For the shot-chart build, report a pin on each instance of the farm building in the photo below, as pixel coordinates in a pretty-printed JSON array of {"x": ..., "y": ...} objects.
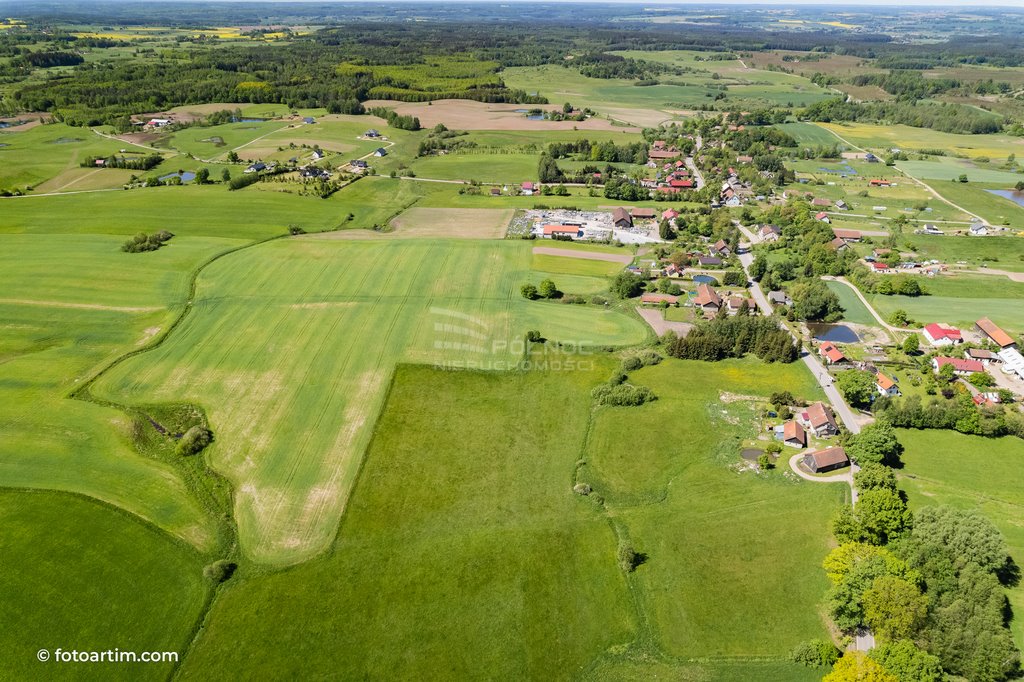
[
  {"x": 938, "y": 334},
  {"x": 994, "y": 333},
  {"x": 828, "y": 459},
  {"x": 1013, "y": 361},
  {"x": 831, "y": 353},
  {"x": 879, "y": 183},
  {"x": 847, "y": 235},
  {"x": 380, "y": 151},
  {"x": 570, "y": 231},
  {"x": 642, "y": 213},
  {"x": 821, "y": 202},
  {"x": 621, "y": 218},
  {"x": 818, "y": 418},
  {"x": 886, "y": 386},
  {"x": 983, "y": 356},
  {"x": 792, "y": 433},
  {"x": 961, "y": 366}
]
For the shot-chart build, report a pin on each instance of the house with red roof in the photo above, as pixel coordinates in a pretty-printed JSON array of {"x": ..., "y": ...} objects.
[
  {"x": 961, "y": 366},
  {"x": 938, "y": 334},
  {"x": 822, "y": 217},
  {"x": 831, "y": 354},
  {"x": 994, "y": 333},
  {"x": 819, "y": 420},
  {"x": 828, "y": 459},
  {"x": 792, "y": 433}
]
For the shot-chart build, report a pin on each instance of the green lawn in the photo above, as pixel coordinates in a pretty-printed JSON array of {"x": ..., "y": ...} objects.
[
  {"x": 214, "y": 142},
  {"x": 1002, "y": 253},
  {"x": 83, "y": 576},
  {"x": 962, "y": 299},
  {"x": 493, "y": 168},
  {"x": 945, "y": 467},
  {"x": 291, "y": 347},
  {"x": 946, "y": 168}
]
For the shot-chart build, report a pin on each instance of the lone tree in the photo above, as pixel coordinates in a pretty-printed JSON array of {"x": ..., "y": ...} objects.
[
  {"x": 548, "y": 289},
  {"x": 911, "y": 345},
  {"x": 529, "y": 292}
]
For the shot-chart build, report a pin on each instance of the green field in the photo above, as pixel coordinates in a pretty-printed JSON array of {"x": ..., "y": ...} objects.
[
  {"x": 214, "y": 142},
  {"x": 853, "y": 309},
  {"x": 962, "y": 299},
  {"x": 95, "y": 579},
  {"x": 293, "y": 448},
  {"x": 973, "y": 197},
  {"x": 945, "y": 467},
  {"x": 30, "y": 157},
  {"x": 1001, "y": 253},
  {"x": 574, "y": 266},
  {"x": 879, "y": 137},
  {"x": 492, "y": 168},
  {"x": 951, "y": 169},
  {"x": 492, "y": 567}
]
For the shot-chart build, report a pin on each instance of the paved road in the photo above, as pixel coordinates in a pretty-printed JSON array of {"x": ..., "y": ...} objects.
[{"x": 846, "y": 414}]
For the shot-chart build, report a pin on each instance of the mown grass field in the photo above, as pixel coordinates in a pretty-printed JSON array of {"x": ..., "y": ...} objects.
[
  {"x": 493, "y": 168},
  {"x": 1001, "y": 253},
  {"x": 962, "y": 299},
  {"x": 214, "y": 142},
  {"x": 291, "y": 347},
  {"x": 944, "y": 168},
  {"x": 722, "y": 545},
  {"x": 492, "y": 566},
  {"x": 973, "y": 197},
  {"x": 94, "y": 579},
  {"x": 945, "y": 467}
]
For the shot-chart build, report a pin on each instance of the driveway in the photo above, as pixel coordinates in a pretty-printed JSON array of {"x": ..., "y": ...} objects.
[{"x": 845, "y": 477}]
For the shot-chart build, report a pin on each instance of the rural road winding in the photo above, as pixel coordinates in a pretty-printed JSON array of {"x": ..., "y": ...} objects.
[
  {"x": 817, "y": 369},
  {"x": 874, "y": 313}
]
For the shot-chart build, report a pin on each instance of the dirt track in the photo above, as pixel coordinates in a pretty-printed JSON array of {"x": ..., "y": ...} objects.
[{"x": 585, "y": 255}]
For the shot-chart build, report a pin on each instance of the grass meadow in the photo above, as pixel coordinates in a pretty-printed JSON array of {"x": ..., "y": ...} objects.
[
  {"x": 945, "y": 467},
  {"x": 464, "y": 522},
  {"x": 337, "y": 315},
  {"x": 94, "y": 579},
  {"x": 564, "y": 265},
  {"x": 723, "y": 545},
  {"x": 883, "y": 137},
  {"x": 853, "y": 309}
]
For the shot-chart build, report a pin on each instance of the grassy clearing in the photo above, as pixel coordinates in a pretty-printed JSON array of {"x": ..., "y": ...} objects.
[
  {"x": 722, "y": 545},
  {"x": 293, "y": 398},
  {"x": 961, "y": 299},
  {"x": 1003, "y": 253},
  {"x": 491, "y": 168},
  {"x": 214, "y": 142},
  {"x": 518, "y": 571},
  {"x": 945, "y": 467},
  {"x": 490, "y": 565},
  {"x": 87, "y": 559},
  {"x": 973, "y": 197},
  {"x": 951, "y": 169}
]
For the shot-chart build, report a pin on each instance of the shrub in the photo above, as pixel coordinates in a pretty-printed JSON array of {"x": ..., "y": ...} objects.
[
  {"x": 764, "y": 462},
  {"x": 629, "y": 558},
  {"x": 533, "y": 336},
  {"x": 219, "y": 570},
  {"x": 622, "y": 395},
  {"x": 529, "y": 292},
  {"x": 773, "y": 448},
  {"x": 194, "y": 440},
  {"x": 816, "y": 652}
]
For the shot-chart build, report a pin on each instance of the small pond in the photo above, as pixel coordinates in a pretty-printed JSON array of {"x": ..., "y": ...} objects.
[
  {"x": 751, "y": 454},
  {"x": 836, "y": 333},
  {"x": 704, "y": 279},
  {"x": 1013, "y": 195},
  {"x": 186, "y": 176},
  {"x": 11, "y": 124}
]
